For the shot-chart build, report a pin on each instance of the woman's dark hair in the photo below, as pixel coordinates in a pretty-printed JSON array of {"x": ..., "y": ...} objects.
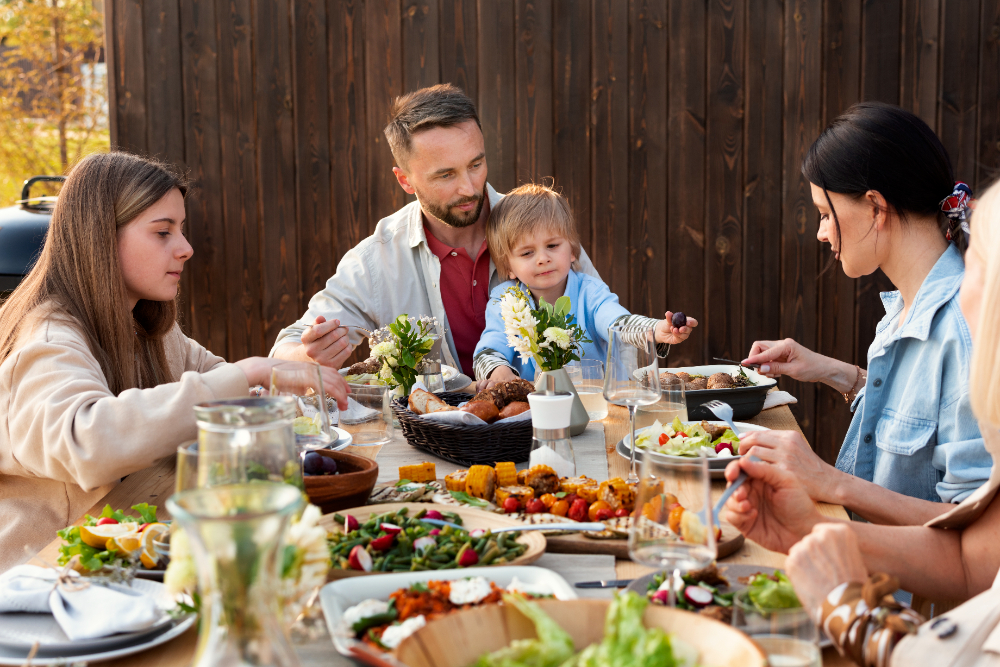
[{"x": 876, "y": 146}]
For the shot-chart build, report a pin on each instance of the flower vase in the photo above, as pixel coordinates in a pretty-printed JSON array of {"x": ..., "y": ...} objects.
[
  {"x": 578, "y": 418},
  {"x": 235, "y": 532}
]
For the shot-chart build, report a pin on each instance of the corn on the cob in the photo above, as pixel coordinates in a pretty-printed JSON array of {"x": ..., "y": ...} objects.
[
  {"x": 617, "y": 493},
  {"x": 522, "y": 475},
  {"x": 456, "y": 480},
  {"x": 506, "y": 473},
  {"x": 522, "y": 493},
  {"x": 543, "y": 479},
  {"x": 421, "y": 472},
  {"x": 481, "y": 482},
  {"x": 588, "y": 491},
  {"x": 571, "y": 484}
]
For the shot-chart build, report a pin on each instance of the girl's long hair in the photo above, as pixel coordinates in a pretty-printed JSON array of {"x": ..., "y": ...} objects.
[
  {"x": 78, "y": 275},
  {"x": 984, "y": 380}
]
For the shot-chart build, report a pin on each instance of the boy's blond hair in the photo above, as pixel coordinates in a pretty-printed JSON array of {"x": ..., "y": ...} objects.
[
  {"x": 984, "y": 380},
  {"x": 520, "y": 213}
]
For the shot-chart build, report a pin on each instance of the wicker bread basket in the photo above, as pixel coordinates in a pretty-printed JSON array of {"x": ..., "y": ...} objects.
[{"x": 465, "y": 445}]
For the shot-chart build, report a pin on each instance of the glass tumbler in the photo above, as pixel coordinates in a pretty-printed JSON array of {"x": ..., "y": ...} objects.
[
  {"x": 368, "y": 417},
  {"x": 789, "y": 637},
  {"x": 587, "y": 376}
]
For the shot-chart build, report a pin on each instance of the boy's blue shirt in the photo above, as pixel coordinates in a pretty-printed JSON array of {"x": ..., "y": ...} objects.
[{"x": 594, "y": 306}]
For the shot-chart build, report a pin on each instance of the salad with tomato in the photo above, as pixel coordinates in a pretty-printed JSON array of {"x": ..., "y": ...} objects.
[{"x": 689, "y": 439}]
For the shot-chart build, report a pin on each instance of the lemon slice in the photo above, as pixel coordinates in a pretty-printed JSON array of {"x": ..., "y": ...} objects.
[
  {"x": 98, "y": 536},
  {"x": 127, "y": 543},
  {"x": 149, "y": 557}
]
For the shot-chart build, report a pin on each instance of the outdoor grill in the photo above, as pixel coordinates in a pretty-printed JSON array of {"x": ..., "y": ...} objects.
[{"x": 22, "y": 233}]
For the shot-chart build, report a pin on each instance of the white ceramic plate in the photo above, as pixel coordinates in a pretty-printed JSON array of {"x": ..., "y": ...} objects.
[
  {"x": 343, "y": 438},
  {"x": 716, "y": 466},
  {"x": 338, "y": 596},
  {"x": 177, "y": 628},
  {"x": 448, "y": 372}
]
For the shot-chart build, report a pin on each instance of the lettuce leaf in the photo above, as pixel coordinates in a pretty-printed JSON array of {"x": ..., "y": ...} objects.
[
  {"x": 776, "y": 592},
  {"x": 552, "y": 648},
  {"x": 627, "y": 642},
  {"x": 146, "y": 512}
]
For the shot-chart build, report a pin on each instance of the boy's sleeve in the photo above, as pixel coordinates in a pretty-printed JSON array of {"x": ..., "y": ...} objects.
[
  {"x": 492, "y": 349},
  {"x": 608, "y": 313}
]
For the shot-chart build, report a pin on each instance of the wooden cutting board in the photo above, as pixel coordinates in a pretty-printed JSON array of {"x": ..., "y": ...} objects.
[{"x": 731, "y": 541}]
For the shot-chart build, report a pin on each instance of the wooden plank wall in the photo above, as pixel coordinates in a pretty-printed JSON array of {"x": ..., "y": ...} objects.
[{"x": 675, "y": 127}]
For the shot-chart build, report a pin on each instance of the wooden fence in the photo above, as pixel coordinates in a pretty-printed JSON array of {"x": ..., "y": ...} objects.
[{"x": 675, "y": 127}]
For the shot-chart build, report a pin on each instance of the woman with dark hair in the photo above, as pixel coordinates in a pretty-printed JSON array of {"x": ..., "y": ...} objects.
[
  {"x": 96, "y": 379},
  {"x": 883, "y": 183}
]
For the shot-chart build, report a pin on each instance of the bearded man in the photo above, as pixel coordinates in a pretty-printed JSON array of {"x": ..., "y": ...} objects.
[{"x": 427, "y": 258}]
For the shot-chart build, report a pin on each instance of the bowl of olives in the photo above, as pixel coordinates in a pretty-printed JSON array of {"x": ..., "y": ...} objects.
[{"x": 338, "y": 480}]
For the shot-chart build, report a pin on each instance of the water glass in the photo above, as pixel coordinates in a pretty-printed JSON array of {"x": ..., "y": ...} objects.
[
  {"x": 303, "y": 381},
  {"x": 789, "y": 637},
  {"x": 631, "y": 378},
  {"x": 672, "y": 404},
  {"x": 202, "y": 470},
  {"x": 368, "y": 417},
  {"x": 587, "y": 376}
]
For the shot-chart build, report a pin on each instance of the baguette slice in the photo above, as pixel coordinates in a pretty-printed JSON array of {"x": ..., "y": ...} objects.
[{"x": 424, "y": 403}]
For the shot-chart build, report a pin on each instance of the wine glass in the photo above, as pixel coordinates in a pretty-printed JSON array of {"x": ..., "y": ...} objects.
[
  {"x": 672, "y": 525},
  {"x": 631, "y": 378},
  {"x": 303, "y": 381}
]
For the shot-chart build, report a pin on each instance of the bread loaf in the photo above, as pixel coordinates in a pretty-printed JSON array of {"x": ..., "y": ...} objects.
[
  {"x": 424, "y": 403},
  {"x": 515, "y": 408},
  {"x": 485, "y": 410}
]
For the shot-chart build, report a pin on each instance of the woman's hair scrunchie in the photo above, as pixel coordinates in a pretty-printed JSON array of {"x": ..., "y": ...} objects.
[{"x": 956, "y": 208}]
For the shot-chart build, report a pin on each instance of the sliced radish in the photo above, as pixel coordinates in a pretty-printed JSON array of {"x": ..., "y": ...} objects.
[
  {"x": 436, "y": 531},
  {"x": 698, "y": 596},
  {"x": 422, "y": 543},
  {"x": 390, "y": 528},
  {"x": 434, "y": 514},
  {"x": 383, "y": 543},
  {"x": 468, "y": 558},
  {"x": 661, "y": 597},
  {"x": 350, "y": 524},
  {"x": 360, "y": 559},
  {"x": 477, "y": 532}
]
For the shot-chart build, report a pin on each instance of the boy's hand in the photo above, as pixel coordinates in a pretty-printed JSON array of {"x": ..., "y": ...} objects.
[
  {"x": 499, "y": 374},
  {"x": 667, "y": 333}
]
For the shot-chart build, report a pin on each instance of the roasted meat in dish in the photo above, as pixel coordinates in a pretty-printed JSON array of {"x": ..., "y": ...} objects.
[
  {"x": 369, "y": 365},
  {"x": 696, "y": 384},
  {"x": 721, "y": 381}
]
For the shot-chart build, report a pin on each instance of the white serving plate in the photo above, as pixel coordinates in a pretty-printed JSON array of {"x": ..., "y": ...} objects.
[
  {"x": 338, "y": 596},
  {"x": 716, "y": 466}
]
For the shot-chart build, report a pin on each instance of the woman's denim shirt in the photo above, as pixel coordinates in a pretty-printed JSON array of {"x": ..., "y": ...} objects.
[{"x": 913, "y": 431}]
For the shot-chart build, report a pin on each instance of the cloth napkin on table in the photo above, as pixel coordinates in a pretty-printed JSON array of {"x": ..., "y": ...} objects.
[
  {"x": 83, "y": 609},
  {"x": 776, "y": 398}
]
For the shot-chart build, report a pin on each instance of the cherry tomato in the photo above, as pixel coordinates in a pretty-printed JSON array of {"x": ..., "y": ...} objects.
[
  {"x": 682, "y": 434},
  {"x": 571, "y": 498},
  {"x": 106, "y": 520},
  {"x": 621, "y": 511},
  {"x": 663, "y": 438},
  {"x": 559, "y": 508},
  {"x": 511, "y": 506},
  {"x": 578, "y": 510},
  {"x": 596, "y": 506},
  {"x": 548, "y": 499},
  {"x": 603, "y": 514},
  {"x": 535, "y": 506}
]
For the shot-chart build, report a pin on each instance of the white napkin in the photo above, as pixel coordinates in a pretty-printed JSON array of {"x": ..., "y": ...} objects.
[
  {"x": 776, "y": 398},
  {"x": 469, "y": 419},
  {"x": 97, "y": 610}
]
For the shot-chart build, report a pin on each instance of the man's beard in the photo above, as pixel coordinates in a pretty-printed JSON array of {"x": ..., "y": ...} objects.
[{"x": 444, "y": 214}]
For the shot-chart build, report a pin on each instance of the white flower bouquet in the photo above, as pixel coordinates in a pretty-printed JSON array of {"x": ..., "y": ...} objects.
[
  {"x": 401, "y": 346},
  {"x": 548, "y": 334}
]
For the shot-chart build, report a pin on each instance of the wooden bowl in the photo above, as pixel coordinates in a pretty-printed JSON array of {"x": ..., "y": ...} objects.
[
  {"x": 471, "y": 518},
  {"x": 459, "y": 639},
  {"x": 350, "y": 487}
]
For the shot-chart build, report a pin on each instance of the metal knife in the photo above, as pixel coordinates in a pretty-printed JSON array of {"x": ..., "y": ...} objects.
[{"x": 610, "y": 583}]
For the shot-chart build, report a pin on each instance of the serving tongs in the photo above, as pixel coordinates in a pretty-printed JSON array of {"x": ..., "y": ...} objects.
[{"x": 736, "y": 363}]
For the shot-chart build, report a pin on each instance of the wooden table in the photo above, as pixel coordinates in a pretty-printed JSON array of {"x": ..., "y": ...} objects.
[{"x": 156, "y": 483}]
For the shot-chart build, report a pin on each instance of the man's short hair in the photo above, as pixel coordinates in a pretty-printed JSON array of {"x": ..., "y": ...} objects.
[{"x": 442, "y": 105}]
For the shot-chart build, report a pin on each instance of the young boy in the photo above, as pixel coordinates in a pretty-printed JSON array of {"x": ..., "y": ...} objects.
[{"x": 533, "y": 240}]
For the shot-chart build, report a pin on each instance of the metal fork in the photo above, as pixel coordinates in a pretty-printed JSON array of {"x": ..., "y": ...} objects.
[{"x": 724, "y": 411}]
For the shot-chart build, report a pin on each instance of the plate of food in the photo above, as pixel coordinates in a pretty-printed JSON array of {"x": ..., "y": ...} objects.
[
  {"x": 679, "y": 442},
  {"x": 366, "y": 372},
  {"x": 382, "y": 611},
  {"x": 625, "y": 630},
  {"x": 116, "y": 540},
  {"x": 742, "y": 388},
  {"x": 393, "y": 538}
]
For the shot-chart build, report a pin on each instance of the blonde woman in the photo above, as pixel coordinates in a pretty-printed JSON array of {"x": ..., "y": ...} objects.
[
  {"x": 96, "y": 379},
  {"x": 831, "y": 564}
]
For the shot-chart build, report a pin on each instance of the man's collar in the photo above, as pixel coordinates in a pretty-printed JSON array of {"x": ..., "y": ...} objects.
[
  {"x": 415, "y": 223},
  {"x": 939, "y": 287}
]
